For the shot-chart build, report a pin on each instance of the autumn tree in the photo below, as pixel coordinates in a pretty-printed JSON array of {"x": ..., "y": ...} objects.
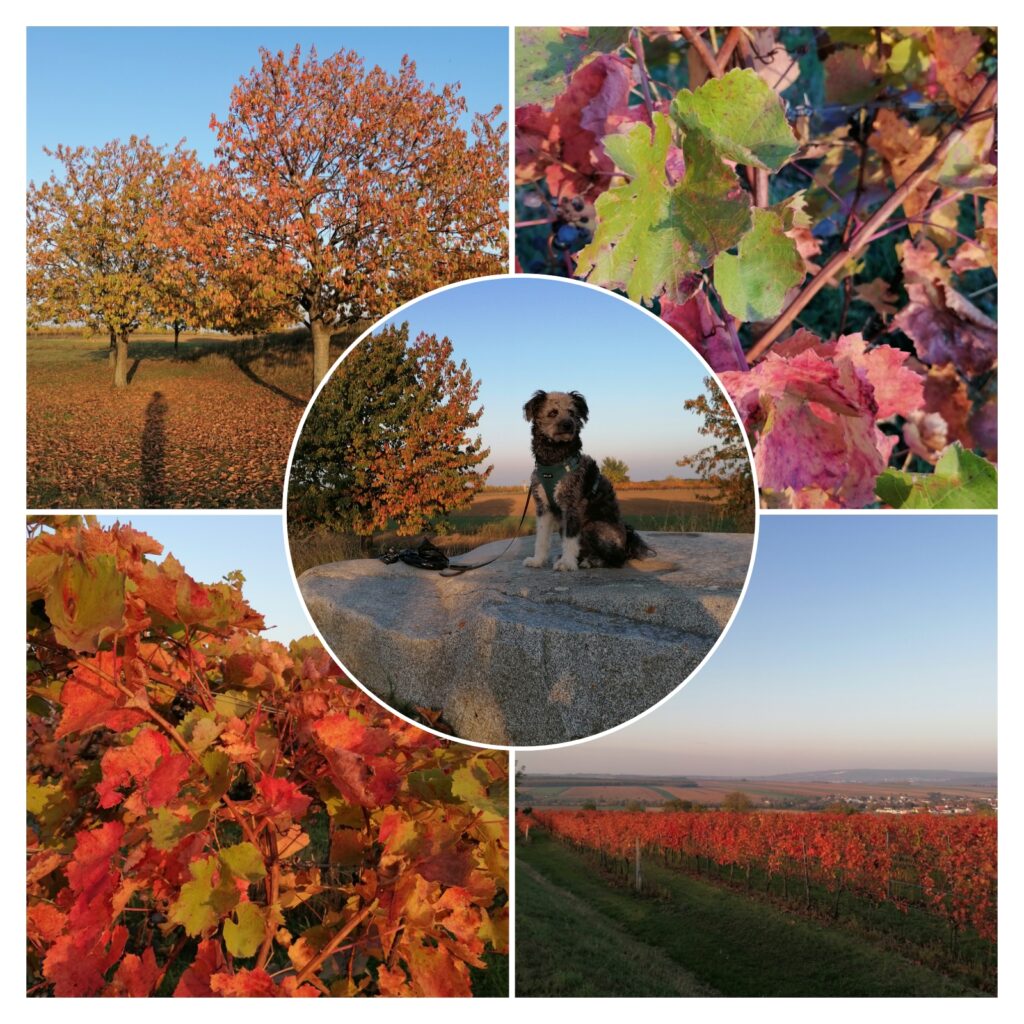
[
  {"x": 345, "y": 192},
  {"x": 186, "y": 291},
  {"x": 736, "y": 801},
  {"x": 388, "y": 439},
  {"x": 724, "y": 464},
  {"x": 615, "y": 469},
  {"x": 93, "y": 258}
]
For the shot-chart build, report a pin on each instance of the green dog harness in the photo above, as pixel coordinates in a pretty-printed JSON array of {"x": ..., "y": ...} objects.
[{"x": 551, "y": 476}]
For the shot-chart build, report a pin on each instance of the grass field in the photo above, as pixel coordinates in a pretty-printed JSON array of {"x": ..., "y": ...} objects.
[
  {"x": 210, "y": 428},
  {"x": 579, "y": 932},
  {"x": 494, "y": 515}
]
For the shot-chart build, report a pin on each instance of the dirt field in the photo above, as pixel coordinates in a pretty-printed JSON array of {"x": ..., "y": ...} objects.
[
  {"x": 610, "y": 793},
  {"x": 676, "y": 501},
  {"x": 209, "y": 429}
]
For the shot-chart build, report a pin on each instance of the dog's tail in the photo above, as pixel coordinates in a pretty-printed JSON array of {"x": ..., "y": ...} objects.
[{"x": 636, "y": 546}]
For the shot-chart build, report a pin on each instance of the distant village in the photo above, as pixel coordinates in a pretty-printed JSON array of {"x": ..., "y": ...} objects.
[{"x": 934, "y": 803}]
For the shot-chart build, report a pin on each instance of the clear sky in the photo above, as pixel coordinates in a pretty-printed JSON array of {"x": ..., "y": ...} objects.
[
  {"x": 210, "y": 546},
  {"x": 864, "y": 642},
  {"x": 519, "y": 334},
  {"x": 87, "y": 86}
]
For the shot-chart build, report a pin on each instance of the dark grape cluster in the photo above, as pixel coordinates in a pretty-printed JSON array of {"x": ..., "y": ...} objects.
[
  {"x": 574, "y": 224},
  {"x": 180, "y": 706}
]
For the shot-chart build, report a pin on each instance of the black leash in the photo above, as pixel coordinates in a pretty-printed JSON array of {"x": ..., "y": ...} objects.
[{"x": 429, "y": 556}]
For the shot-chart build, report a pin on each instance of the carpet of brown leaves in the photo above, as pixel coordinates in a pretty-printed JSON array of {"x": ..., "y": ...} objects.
[{"x": 209, "y": 429}]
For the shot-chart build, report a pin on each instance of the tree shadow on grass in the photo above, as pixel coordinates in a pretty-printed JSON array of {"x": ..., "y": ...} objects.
[
  {"x": 154, "y": 453},
  {"x": 245, "y": 366}
]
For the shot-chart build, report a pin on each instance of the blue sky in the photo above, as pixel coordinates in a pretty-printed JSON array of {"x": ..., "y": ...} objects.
[
  {"x": 520, "y": 334},
  {"x": 210, "y": 546},
  {"x": 864, "y": 642},
  {"x": 89, "y": 85}
]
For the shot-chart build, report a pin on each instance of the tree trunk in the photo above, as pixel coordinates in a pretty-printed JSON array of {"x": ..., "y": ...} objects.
[
  {"x": 321, "y": 350},
  {"x": 177, "y": 331},
  {"x": 121, "y": 361},
  {"x": 111, "y": 352}
]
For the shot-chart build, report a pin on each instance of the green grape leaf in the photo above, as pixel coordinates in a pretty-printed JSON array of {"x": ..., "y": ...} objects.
[
  {"x": 244, "y": 934},
  {"x": 430, "y": 784},
  {"x": 47, "y": 803},
  {"x": 201, "y": 903},
  {"x": 754, "y": 283},
  {"x": 167, "y": 830},
  {"x": 651, "y": 234},
  {"x": 217, "y": 766},
  {"x": 961, "y": 480},
  {"x": 742, "y": 116},
  {"x": 243, "y": 860},
  {"x": 85, "y": 601}
]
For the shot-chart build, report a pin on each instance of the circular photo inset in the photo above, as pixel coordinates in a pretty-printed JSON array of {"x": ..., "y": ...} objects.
[{"x": 521, "y": 511}]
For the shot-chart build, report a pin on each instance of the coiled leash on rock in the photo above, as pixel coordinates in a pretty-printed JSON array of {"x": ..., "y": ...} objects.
[{"x": 429, "y": 556}]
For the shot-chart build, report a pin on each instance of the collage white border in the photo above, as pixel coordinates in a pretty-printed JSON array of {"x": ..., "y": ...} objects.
[{"x": 1011, "y": 547}]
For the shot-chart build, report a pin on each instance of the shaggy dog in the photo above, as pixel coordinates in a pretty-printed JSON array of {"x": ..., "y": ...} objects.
[{"x": 570, "y": 492}]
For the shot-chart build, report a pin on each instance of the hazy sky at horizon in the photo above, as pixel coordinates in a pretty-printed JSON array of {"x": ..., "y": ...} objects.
[
  {"x": 520, "y": 334},
  {"x": 88, "y": 85},
  {"x": 864, "y": 641}
]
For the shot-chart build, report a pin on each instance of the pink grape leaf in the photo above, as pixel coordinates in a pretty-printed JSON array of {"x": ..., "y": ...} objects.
[{"x": 814, "y": 421}]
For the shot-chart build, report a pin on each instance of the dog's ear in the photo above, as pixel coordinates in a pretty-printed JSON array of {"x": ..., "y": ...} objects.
[
  {"x": 532, "y": 407},
  {"x": 581, "y": 405}
]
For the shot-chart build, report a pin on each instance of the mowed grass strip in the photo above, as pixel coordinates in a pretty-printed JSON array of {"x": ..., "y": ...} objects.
[
  {"x": 730, "y": 942},
  {"x": 566, "y": 948}
]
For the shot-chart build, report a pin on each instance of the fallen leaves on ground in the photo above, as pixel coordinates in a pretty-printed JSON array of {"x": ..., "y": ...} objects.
[{"x": 202, "y": 431}]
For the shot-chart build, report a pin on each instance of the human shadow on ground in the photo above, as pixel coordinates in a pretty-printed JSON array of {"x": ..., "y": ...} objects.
[{"x": 154, "y": 453}]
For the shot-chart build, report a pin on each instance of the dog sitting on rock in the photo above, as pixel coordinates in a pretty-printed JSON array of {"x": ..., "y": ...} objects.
[{"x": 570, "y": 492}]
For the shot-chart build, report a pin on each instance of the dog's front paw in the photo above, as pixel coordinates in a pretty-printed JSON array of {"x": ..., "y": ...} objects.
[
  {"x": 533, "y": 562},
  {"x": 566, "y": 564}
]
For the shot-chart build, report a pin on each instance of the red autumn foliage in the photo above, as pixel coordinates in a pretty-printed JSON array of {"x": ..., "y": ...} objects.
[
  {"x": 199, "y": 795},
  {"x": 948, "y": 864}
]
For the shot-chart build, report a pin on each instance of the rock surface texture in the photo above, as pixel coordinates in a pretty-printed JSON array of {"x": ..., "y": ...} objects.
[{"x": 519, "y": 656}]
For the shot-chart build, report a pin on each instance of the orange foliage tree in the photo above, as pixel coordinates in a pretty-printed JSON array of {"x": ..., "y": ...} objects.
[
  {"x": 387, "y": 438},
  {"x": 340, "y": 193},
  {"x": 93, "y": 253}
]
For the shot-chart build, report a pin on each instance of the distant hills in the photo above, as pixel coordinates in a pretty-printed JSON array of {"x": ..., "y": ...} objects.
[{"x": 888, "y": 775}]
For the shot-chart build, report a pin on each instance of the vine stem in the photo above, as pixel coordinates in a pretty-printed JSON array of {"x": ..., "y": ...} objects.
[
  {"x": 637, "y": 45},
  {"x": 760, "y": 174},
  {"x": 313, "y": 965},
  {"x": 731, "y": 39},
  {"x": 273, "y": 887},
  {"x": 696, "y": 40},
  {"x": 730, "y": 326},
  {"x": 978, "y": 110}
]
